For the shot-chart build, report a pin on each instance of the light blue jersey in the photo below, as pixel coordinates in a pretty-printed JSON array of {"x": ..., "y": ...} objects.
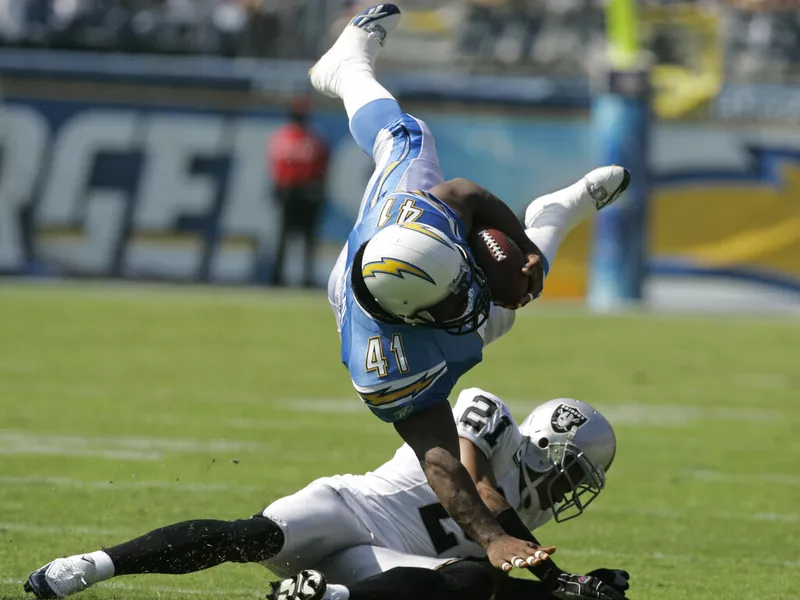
[{"x": 400, "y": 368}]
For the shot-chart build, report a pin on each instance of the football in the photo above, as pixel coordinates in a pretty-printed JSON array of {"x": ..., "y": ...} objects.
[{"x": 501, "y": 261}]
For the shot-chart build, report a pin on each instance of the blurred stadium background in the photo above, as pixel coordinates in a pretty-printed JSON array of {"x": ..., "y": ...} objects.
[
  {"x": 132, "y": 136},
  {"x": 138, "y": 131}
]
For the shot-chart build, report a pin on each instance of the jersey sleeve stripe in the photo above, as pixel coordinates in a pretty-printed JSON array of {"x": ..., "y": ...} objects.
[{"x": 375, "y": 193}]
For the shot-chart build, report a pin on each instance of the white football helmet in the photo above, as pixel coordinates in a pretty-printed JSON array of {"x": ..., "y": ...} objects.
[
  {"x": 570, "y": 446},
  {"x": 415, "y": 274}
]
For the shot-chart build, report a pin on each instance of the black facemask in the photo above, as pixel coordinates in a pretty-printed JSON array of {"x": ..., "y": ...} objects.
[{"x": 466, "y": 308}]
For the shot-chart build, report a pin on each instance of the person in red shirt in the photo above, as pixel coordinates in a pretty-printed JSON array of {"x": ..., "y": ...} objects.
[{"x": 298, "y": 160}]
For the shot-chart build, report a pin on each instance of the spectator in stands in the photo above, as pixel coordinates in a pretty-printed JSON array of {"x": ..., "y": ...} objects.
[{"x": 298, "y": 160}]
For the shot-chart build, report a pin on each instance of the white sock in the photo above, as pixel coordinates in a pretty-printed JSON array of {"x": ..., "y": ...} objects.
[
  {"x": 336, "y": 592},
  {"x": 359, "y": 90},
  {"x": 355, "y": 83},
  {"x": 559, "y": 213},
  {"x": 103, "y": 567}
]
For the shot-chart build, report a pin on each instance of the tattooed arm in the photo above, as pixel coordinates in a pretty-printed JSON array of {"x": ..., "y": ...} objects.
[{"x": 432, "y": 435}]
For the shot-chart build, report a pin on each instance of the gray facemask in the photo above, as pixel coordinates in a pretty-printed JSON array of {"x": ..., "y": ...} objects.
[{"x": 562, "y": 458}]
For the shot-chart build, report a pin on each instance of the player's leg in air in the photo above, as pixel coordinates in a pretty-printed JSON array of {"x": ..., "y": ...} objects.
[
  {"x": 401, "y": 145},
  {"x": 549, "y": 218},
  {"x": 405, "y": 152},
  {"x": 290, "y": 534}
]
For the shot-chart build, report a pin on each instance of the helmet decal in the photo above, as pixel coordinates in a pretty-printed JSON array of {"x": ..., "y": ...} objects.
[
  {"x": 395, "y": 268},
  {"x": 428, "y": 279},
  {"x": 566, "y": 417}
]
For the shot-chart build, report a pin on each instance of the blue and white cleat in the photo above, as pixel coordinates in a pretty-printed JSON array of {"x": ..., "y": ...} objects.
[
  {"x": 381, "y": 19},
  {"x": 356, "y": 49},
  {"x": 598, "y": 189},
  {"x": 62, "y": 577}
]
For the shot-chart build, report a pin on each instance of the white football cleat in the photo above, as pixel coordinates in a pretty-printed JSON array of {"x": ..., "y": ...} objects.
[
  {"x": 597, "y": 189},
  {"x": 62, "y": 577},
  {"x": 606, "y": 184},
  {"x": 356, "y": 48}
]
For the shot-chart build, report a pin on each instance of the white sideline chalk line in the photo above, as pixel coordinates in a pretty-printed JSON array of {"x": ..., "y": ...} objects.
[
  {"x": 772, "y": 562},
  {"x": 125, "y": 448},
  {"x": 763, "y": 380},
  {"x": 669, "y": 513},
  {"x": 60, "y": 451},
  {"x": 143, "y": 443},
  {"x": 75, "y": 530},
  {"x": 265, "y": 425},
  {"x": 711, "y": 476},
  {"x": 78, "y": 391},
  {"x": 656, "y": 415},
  {"x": 21, "y": 443},
  {"x": 127, "y": 485},
  {"x": 666, "y": 415},
  {"x": 324, "y": 405}
]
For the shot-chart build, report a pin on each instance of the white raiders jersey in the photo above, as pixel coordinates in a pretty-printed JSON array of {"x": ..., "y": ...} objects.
[{"x": 401, "y": 510}]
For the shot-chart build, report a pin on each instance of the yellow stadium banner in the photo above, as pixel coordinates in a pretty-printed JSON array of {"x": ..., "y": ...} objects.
[{"x": 688, "y": 48}]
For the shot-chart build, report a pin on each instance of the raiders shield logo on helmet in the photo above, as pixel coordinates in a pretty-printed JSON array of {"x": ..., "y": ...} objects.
[{"x": 566, "y": 417}]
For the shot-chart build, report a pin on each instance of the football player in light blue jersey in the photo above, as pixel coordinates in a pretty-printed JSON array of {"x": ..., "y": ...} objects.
[{"x": 413, "y": 309}]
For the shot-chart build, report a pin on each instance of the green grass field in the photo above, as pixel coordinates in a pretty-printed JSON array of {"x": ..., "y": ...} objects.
[{"x": 127, "y": 408}]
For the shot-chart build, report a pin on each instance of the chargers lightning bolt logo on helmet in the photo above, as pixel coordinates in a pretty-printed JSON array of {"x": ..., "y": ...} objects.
[{"x": 395, "y": 268}]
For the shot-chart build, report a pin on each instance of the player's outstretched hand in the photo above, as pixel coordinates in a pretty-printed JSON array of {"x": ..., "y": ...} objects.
[
  {"x": 508, "y": 552},
  {"x": 534, "y": 269},
  {"x": 584, "y": 587}
]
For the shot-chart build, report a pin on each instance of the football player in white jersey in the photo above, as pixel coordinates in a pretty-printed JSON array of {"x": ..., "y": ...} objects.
[{"x": 352, "y": 528}]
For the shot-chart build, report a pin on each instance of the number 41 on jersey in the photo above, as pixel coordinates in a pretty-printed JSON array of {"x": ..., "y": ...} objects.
[{"x": 376, "y": 359}]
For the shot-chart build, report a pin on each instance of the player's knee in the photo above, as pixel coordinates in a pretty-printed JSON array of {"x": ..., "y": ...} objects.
[
  {"x": 400, "y": 583},
  {"x": 416, "y": 129},
  {"x": 410, "y": 128},
  {"x": 511, "y": 588},
  {"x": 462, "y": 580},
  {"x": 255, "y": 539},
  {"x": 422, "y": 127},
  {"x": 405, "y": 134},
  {"x": 469, "y": 580}
]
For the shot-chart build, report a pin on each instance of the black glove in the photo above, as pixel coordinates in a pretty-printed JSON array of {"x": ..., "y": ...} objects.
[
  {"x": 584, "y": 587},
  {"x": 616, "y": 578}
]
